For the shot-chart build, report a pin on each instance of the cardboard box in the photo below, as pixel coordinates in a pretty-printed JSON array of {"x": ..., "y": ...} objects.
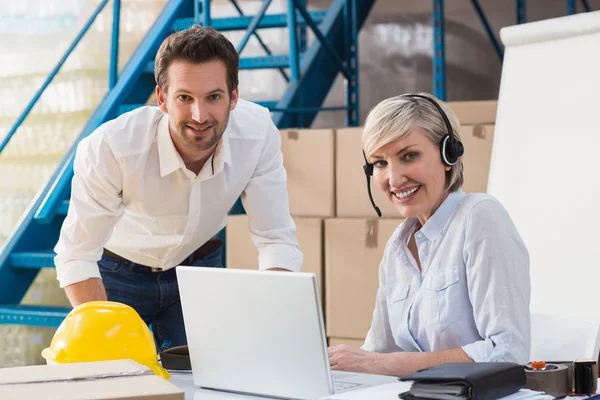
[
  {"x": 242, "y": 254},
  {"x": 106, "y": 380},
  {"x": 478, "y": 140},
  {"x": 475, "y": 112},
  {"x": 308, "y": 158},
  {"x": 353, "y": 252},
  {"x": 351, "y": 188},
  {"x": 356, "y": 343}
]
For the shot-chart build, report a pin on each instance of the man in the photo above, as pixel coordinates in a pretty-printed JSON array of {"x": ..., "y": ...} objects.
[{"x": 152, "y": 188}]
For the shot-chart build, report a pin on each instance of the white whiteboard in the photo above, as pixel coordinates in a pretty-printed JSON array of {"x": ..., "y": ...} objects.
[{"x": 545, "y": 166}]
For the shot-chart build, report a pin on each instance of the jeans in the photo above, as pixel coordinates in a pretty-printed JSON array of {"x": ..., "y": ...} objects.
[{"x": 154, "y": 295}]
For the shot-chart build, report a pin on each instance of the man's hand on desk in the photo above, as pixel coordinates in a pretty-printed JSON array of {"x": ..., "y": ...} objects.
[
  {"x": 350, "y": 359},
  {"x": 278, "y": 269}
]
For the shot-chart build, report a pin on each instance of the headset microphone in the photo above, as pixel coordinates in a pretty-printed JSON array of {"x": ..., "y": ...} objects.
[{"x": 368, "y": 167}]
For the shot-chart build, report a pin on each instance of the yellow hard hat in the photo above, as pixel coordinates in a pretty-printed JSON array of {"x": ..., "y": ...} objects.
[{"x": 102, "y": 331}]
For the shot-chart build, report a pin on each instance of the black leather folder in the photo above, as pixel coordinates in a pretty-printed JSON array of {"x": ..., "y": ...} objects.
[{"x": 468, "y": 381}]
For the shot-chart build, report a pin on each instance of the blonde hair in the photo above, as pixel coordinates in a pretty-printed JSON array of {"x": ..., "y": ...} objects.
[{"x": 397, "y": 116}]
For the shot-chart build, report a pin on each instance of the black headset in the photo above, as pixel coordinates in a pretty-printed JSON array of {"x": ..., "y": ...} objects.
[{"x": 451, "y": 148}]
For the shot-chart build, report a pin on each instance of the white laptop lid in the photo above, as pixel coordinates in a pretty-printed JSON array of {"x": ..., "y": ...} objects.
[{"x": 256, "y": 332}]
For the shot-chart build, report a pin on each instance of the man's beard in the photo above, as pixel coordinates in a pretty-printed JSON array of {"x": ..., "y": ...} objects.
[{"x": 201, "y": 144}]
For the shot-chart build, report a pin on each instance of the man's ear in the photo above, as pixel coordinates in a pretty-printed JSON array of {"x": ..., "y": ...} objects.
[
  {"x": 161, "y": 99},
  {"x": 234, "y": 98}
]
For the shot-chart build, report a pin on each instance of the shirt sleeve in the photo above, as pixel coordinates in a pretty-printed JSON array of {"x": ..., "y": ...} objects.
[
  {"x": 497, "y": 266},
  {"x": 380, "y": 338},
  {"x": 95, "y": 208},
  {"x": 266, "y": 202}
]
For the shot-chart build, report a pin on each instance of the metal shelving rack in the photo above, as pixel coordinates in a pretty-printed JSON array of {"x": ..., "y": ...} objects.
[{"x": 439, "y": 55}]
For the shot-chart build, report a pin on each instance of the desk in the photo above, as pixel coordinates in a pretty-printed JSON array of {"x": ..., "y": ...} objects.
[{"x": 184, "y": 381}]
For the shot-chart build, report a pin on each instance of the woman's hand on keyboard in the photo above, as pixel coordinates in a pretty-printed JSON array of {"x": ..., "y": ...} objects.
[{"x": 346, "y": 358}]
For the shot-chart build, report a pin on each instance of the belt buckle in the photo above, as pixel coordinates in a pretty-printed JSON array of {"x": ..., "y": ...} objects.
[{"x": 156, "y": 269}]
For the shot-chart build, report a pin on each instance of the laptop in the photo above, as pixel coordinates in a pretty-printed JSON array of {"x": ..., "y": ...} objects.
[{"x": 260, "y": 333}]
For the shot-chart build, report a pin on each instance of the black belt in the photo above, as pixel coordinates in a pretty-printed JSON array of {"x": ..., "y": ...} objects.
[{"x": 202, "y": 251}]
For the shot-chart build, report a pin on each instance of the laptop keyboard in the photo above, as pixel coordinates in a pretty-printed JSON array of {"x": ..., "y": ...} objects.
[{"x": 338, "y": 386}]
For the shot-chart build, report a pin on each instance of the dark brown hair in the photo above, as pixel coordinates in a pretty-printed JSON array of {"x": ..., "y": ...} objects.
[{"x": 196, "y": 44}]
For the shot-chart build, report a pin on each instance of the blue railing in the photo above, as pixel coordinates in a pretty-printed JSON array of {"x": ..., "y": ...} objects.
[
  {"x": 61, "y": 62},
  {"x": 114, "y": 52}
]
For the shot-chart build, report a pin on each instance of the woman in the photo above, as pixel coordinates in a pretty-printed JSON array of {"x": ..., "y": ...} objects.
[{"x": 454, "y": 279}]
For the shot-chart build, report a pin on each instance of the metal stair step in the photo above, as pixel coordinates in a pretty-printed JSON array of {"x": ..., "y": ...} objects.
[
  {"x": 34, "y": 259},
  {"x": 264, "y": 62},
  {"x": 239, "y": 23},
  {"x": 32, "y": 315}
]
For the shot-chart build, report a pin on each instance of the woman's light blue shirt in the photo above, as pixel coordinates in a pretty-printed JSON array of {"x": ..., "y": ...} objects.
[{"x": 473, "y": 291}]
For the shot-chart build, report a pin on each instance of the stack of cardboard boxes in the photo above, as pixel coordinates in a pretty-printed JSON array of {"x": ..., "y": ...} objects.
[{"x": 339, "y": 233}]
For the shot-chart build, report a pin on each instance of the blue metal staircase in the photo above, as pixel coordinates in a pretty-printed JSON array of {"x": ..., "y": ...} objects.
[{"x": 312, "y": 71}]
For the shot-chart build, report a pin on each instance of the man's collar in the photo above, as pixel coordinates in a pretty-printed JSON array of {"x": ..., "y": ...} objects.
[{"x": 169, "y": 158}]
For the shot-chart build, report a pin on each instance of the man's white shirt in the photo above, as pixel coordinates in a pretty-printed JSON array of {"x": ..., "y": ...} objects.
[{"x": 133, "y": 195}]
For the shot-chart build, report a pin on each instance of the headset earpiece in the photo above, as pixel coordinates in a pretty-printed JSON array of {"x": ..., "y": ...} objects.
[{"x": 451, "y": 148}]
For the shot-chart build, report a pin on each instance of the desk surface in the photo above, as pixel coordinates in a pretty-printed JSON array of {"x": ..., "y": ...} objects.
[
  {"x": 184, "y": 382},
  {"x": 388, "y": 391}
]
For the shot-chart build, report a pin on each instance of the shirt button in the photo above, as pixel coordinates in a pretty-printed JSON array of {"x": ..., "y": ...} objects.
[{"x": 419, "y": 235}]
